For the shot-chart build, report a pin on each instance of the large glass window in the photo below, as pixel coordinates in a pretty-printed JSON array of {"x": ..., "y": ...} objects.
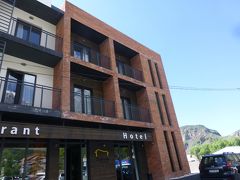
[
  {"x": 28, "y": 33},
  {"x": 35, "y": 163},
  {"x": 23, "y": 160},
  {"x": 82, "y": 100},
  {"x": 19, "y": 88},
  {"x": 12, "y": 161},
  {"x": 81, "y": 52}
]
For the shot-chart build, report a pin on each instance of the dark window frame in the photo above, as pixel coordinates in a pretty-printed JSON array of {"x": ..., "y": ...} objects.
[
  {"x": 83, "y": 46},
  {"x": 20, "y": 89},
  {"x": 121, "y": 67},
  {"x": 82, "y": 98},
  {"x": 124, "y": 107},
  {"x": 31, "y": 27}
]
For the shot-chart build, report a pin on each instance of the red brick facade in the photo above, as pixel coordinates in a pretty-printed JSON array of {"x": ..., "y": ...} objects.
[{"x": 165, "y": 156}]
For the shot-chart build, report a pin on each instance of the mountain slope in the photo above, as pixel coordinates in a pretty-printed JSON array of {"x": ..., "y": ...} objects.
[
  {"x": 197, "y": 134},
  {"x": 236, "y": 134}
]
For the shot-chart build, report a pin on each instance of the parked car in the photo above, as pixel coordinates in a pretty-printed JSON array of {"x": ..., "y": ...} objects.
[
  {"x": 219, "y": 165},
  {"x": 6, "y": 178},
  {"x": 61, "y": 176},
  {"x": 40, "y": 176}
]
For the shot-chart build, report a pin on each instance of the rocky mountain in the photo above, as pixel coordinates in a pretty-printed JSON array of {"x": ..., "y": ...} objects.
[
  {"x": 236, "y": 134},
  {"x": 198, "y": 134}
]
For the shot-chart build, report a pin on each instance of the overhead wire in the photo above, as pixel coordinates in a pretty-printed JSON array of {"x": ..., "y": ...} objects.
[{"x": 97, "y": 77}]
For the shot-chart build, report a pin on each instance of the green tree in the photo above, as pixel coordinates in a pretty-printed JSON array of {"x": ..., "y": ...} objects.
[
  {"x": 200, "y": 150},
  {"x": 10, "y": 162}
]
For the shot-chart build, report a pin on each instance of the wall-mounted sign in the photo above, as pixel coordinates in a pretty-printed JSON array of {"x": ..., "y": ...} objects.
[
  {"x": 135, "y": 136},
  {"x": 20, "y": 130},
  {"x": 101, "y": 153}
]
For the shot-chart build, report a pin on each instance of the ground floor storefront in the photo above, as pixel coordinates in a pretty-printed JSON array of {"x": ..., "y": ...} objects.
[{"x": 29, "y": 151}]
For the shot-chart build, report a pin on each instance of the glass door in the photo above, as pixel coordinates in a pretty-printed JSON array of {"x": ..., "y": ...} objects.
[
  {"x": 124, "y": 164},
  {"x": 11, "y": 89},
  {"x": 126, "y": 105},
  {"x": 82, "y": 100},
  {"x": 19, "y": 88},
  {"x": 28, "y": 89}
]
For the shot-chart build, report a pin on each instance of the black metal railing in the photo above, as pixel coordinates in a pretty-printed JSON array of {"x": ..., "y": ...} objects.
[
  {"x": 136, "y": 113},
  {"x": 6, "y": 11},
  {"x": 127, "y": 70},
  {"x": 11, "y": 2},
  {"x": 92, "y": 105},
  {"x": 41, "y": 38},
  {"x": 89, "y": 55},
  {"x": 14, "y": 92}
]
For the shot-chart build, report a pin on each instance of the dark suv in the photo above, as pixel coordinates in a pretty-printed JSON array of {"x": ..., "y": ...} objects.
[{"x": 219, "y": 165}]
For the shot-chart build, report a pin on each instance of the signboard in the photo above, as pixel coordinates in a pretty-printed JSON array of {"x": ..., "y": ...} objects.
[{"x": 20, "y": 130}]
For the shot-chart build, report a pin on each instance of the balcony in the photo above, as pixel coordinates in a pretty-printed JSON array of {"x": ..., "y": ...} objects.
[
  {"x": 32, "y": 43},
  {"x": 128, "y": 61},
  {"x": 89, "y": 55},
  {"x": 134, "y": 103},
  {"x": 30, "y": 98},
  {"x": 135, "y": 113},
  {"x": 92, "y": 105},
  {"x": 127, "y": 70}
]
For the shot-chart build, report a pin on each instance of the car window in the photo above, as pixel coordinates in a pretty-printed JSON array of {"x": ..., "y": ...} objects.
[
  {"x": 231, "y": 157},
  {"x": 213, "y": 161},
  {"x": 236, "y": 157},
  {"x": 219, "y": 161}
]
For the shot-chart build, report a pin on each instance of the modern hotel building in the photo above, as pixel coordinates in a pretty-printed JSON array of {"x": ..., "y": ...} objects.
[{"x": 79, "y": 100}]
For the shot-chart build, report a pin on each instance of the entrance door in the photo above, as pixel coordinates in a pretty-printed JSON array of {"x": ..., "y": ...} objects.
[
  {"x": 124, "y": 163},
  {"x": 77, "y": 162}
]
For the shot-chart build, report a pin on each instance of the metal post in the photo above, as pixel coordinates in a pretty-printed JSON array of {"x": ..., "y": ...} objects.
[
  {"x": 41, "y": 97},
  {"x": 101, "y": 106},
  {"x": 25, "y": 161},
  {"x": 46, "y": 40}
]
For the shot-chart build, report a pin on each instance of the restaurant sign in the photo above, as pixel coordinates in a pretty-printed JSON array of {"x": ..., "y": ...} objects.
[{"x": 22, "y": 130}]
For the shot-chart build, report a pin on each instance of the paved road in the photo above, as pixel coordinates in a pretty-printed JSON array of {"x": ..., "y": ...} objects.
[{"x": 197, "y": 177}]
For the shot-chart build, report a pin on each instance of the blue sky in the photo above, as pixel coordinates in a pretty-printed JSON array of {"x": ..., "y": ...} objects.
[{"x": 199, "y": 41}]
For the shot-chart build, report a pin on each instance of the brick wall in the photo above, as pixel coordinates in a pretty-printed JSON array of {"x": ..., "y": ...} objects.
[{"x": 159, "y": 151}]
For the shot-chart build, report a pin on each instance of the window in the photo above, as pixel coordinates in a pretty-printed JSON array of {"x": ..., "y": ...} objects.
[
  {"x": 28, "y": 33},
  {"x": 82, "y": 100},
  {"x": 19, "y": 88},
  {"x": 23, "y": 159},
  {"x": 126, "y": 105},
  {"x": 120, "y": 67},
  {"x": 125, "y": 69},
  {"x": 81, "y": 52}
]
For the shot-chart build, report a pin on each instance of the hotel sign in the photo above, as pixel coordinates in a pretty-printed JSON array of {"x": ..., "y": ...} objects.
[{"x": 20, "y": 130}]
